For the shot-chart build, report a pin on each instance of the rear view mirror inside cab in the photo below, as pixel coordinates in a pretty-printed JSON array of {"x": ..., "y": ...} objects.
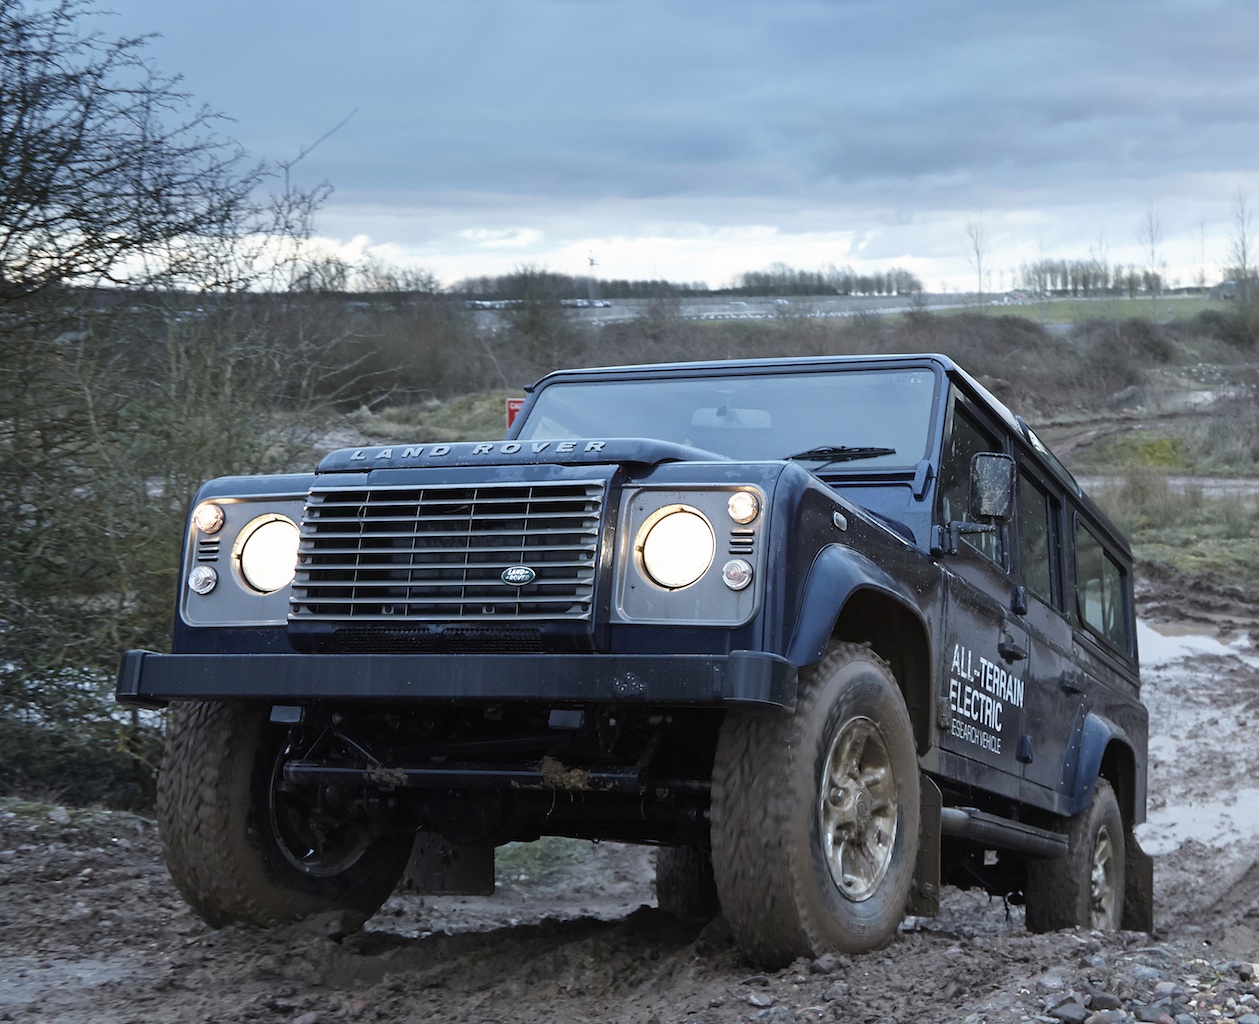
[{"x": 727, "y": 417}]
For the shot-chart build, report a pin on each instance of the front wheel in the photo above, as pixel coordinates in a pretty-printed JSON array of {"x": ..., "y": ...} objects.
[
  {"x": 815, "y": 814},
  {"x": 244, "y": 848},
  {"x": 1085, "y": 888}
]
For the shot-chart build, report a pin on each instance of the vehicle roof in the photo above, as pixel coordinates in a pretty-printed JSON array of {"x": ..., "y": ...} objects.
[{"x": 1024, "y": 436}]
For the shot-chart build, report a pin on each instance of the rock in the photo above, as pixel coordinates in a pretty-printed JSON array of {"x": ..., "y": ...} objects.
[
  {"x": 1070, "y": 1012},
  {"x": 59, "y": 816},
  {"x": 777, "y": 1015},
  {"x": 1105, "y": 1001},
  {"x": 837, "y": 990},
  {"x": 1106, "y": 1017},
  {"x": 759, "y": 999},
  {"x": 1053, "y": 980},
  {"x": 331, "y": 924},
  {"x": 829, "y": 963}
]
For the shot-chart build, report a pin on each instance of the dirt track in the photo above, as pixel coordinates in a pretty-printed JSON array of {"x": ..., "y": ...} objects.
[{"x": 92, "y": 930}]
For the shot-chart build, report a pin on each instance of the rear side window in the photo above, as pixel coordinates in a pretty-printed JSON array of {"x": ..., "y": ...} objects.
[{"x": 1101, "y": 591}]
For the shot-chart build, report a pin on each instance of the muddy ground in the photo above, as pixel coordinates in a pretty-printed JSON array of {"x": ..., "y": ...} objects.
[{"x": 91, "y": 929}]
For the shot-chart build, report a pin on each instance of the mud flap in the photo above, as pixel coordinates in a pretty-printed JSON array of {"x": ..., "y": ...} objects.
[
  {"x": 1138, "y": 891},
  {"x": 439, "y": 867},
  {"x": 924, "y": 897}
]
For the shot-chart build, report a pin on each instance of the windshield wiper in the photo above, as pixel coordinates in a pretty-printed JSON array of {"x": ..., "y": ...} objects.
[{"x": 829, "y": 453}]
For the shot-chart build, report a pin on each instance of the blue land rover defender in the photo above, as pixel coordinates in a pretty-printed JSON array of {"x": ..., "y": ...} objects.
[{"x": 829, "y": 632}]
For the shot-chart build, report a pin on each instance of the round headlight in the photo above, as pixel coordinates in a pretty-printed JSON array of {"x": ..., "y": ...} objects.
[
  {"x": 677, "y": 547},
  {"x": 267, "y": 553}
]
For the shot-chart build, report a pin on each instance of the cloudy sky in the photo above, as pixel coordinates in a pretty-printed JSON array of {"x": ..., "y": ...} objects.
[{"x": 694, "y": 139}]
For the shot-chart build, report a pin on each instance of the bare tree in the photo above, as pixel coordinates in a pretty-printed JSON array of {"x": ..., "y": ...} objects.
[
  {"x": 1200, "y": 279},
  {"x": 1099, "y": 265},
  {"x": 1150, "y": 236},
  {"x": 109, "y": 171},
  {"x": 1241, "y": 247},
  {"x": 116, "y": 399},
  {"x": 977, "y": 253}
]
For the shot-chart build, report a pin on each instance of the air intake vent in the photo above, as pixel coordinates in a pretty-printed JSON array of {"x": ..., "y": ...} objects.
[
  {"x": 452, "y": 640},
  {"x": 442, "y": 553}
]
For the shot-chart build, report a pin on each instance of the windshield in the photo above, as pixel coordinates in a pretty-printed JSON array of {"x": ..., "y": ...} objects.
[{"x": 886, "y": 414}]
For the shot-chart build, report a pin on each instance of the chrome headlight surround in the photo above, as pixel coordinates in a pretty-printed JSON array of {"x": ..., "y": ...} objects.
[{"x": 676, "y": 552}]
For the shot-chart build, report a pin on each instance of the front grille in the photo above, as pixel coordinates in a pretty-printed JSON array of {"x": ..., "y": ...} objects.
[{"x": 438, "y": 553}]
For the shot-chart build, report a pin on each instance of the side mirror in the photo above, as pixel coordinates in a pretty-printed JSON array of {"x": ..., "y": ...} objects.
[{"x": 991, "y": 498}]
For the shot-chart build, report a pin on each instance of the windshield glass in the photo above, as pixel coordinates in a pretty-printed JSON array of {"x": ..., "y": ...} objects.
[{"x": 750, "y": 417}]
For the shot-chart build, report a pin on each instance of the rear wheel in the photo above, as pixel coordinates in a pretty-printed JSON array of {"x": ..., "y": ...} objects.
[
  {"x": 1085, "y": 888},
  {"x": 245, "y": 848},
  {"x": 684, "y": 882},
  {"x": 815, "y": 814}
]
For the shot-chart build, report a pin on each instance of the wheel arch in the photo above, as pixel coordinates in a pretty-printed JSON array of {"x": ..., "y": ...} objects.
[
  {"x": 847, "y": 598},
  {"x": 1106, "y": 752}
]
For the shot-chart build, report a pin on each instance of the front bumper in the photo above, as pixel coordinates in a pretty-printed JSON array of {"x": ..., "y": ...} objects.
[{"x": 741, "y": 678}]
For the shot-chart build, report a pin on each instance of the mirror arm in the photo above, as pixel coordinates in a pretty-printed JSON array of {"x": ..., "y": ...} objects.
[{"x": 954, "y": 536}]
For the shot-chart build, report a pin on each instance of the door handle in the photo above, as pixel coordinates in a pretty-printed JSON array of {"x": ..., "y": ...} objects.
[
  {"x": 1009, "y": 648},
  {"x": 1071, "y": 684}
]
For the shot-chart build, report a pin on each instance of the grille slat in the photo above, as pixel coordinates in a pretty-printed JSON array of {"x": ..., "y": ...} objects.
[
  {"x": 433, "y": 535},
  {"x": 437, "y": 553}
]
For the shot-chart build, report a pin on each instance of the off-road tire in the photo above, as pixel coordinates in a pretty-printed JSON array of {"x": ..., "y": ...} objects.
[
  {"x": 1085, "y": 888},
  {"x": 219, "y": 836},
  {"x": 770, "y": 809},
  {"x": 684, "y": 883}
]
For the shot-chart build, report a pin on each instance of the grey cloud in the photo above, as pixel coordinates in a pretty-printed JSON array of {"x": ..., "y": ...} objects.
[{"x": 743, "y": 109}]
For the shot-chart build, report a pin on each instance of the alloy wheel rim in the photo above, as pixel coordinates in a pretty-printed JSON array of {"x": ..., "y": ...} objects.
[
  {"x": 1102, "y": 881},
  {"x": 857, "y": 809}
]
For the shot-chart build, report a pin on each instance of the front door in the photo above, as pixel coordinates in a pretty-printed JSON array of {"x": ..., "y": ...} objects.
[{"x": 984, "y": 645}]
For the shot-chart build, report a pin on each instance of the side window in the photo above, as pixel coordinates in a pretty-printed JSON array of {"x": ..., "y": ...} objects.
[
  {"x": 1038, "y": 541},
  {"x": 966, "y": 438},
  {"x": 1100, "y": 590}
]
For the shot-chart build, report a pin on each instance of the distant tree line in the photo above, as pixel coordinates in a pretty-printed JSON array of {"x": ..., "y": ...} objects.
[
  {"x": 529, "y": 282},
  {"x": 780, "y": 279},
  {"x": 1087, "y": 277}
]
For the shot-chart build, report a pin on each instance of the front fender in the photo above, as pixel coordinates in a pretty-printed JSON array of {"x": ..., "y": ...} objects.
[{"x": 836, "y": 574}]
